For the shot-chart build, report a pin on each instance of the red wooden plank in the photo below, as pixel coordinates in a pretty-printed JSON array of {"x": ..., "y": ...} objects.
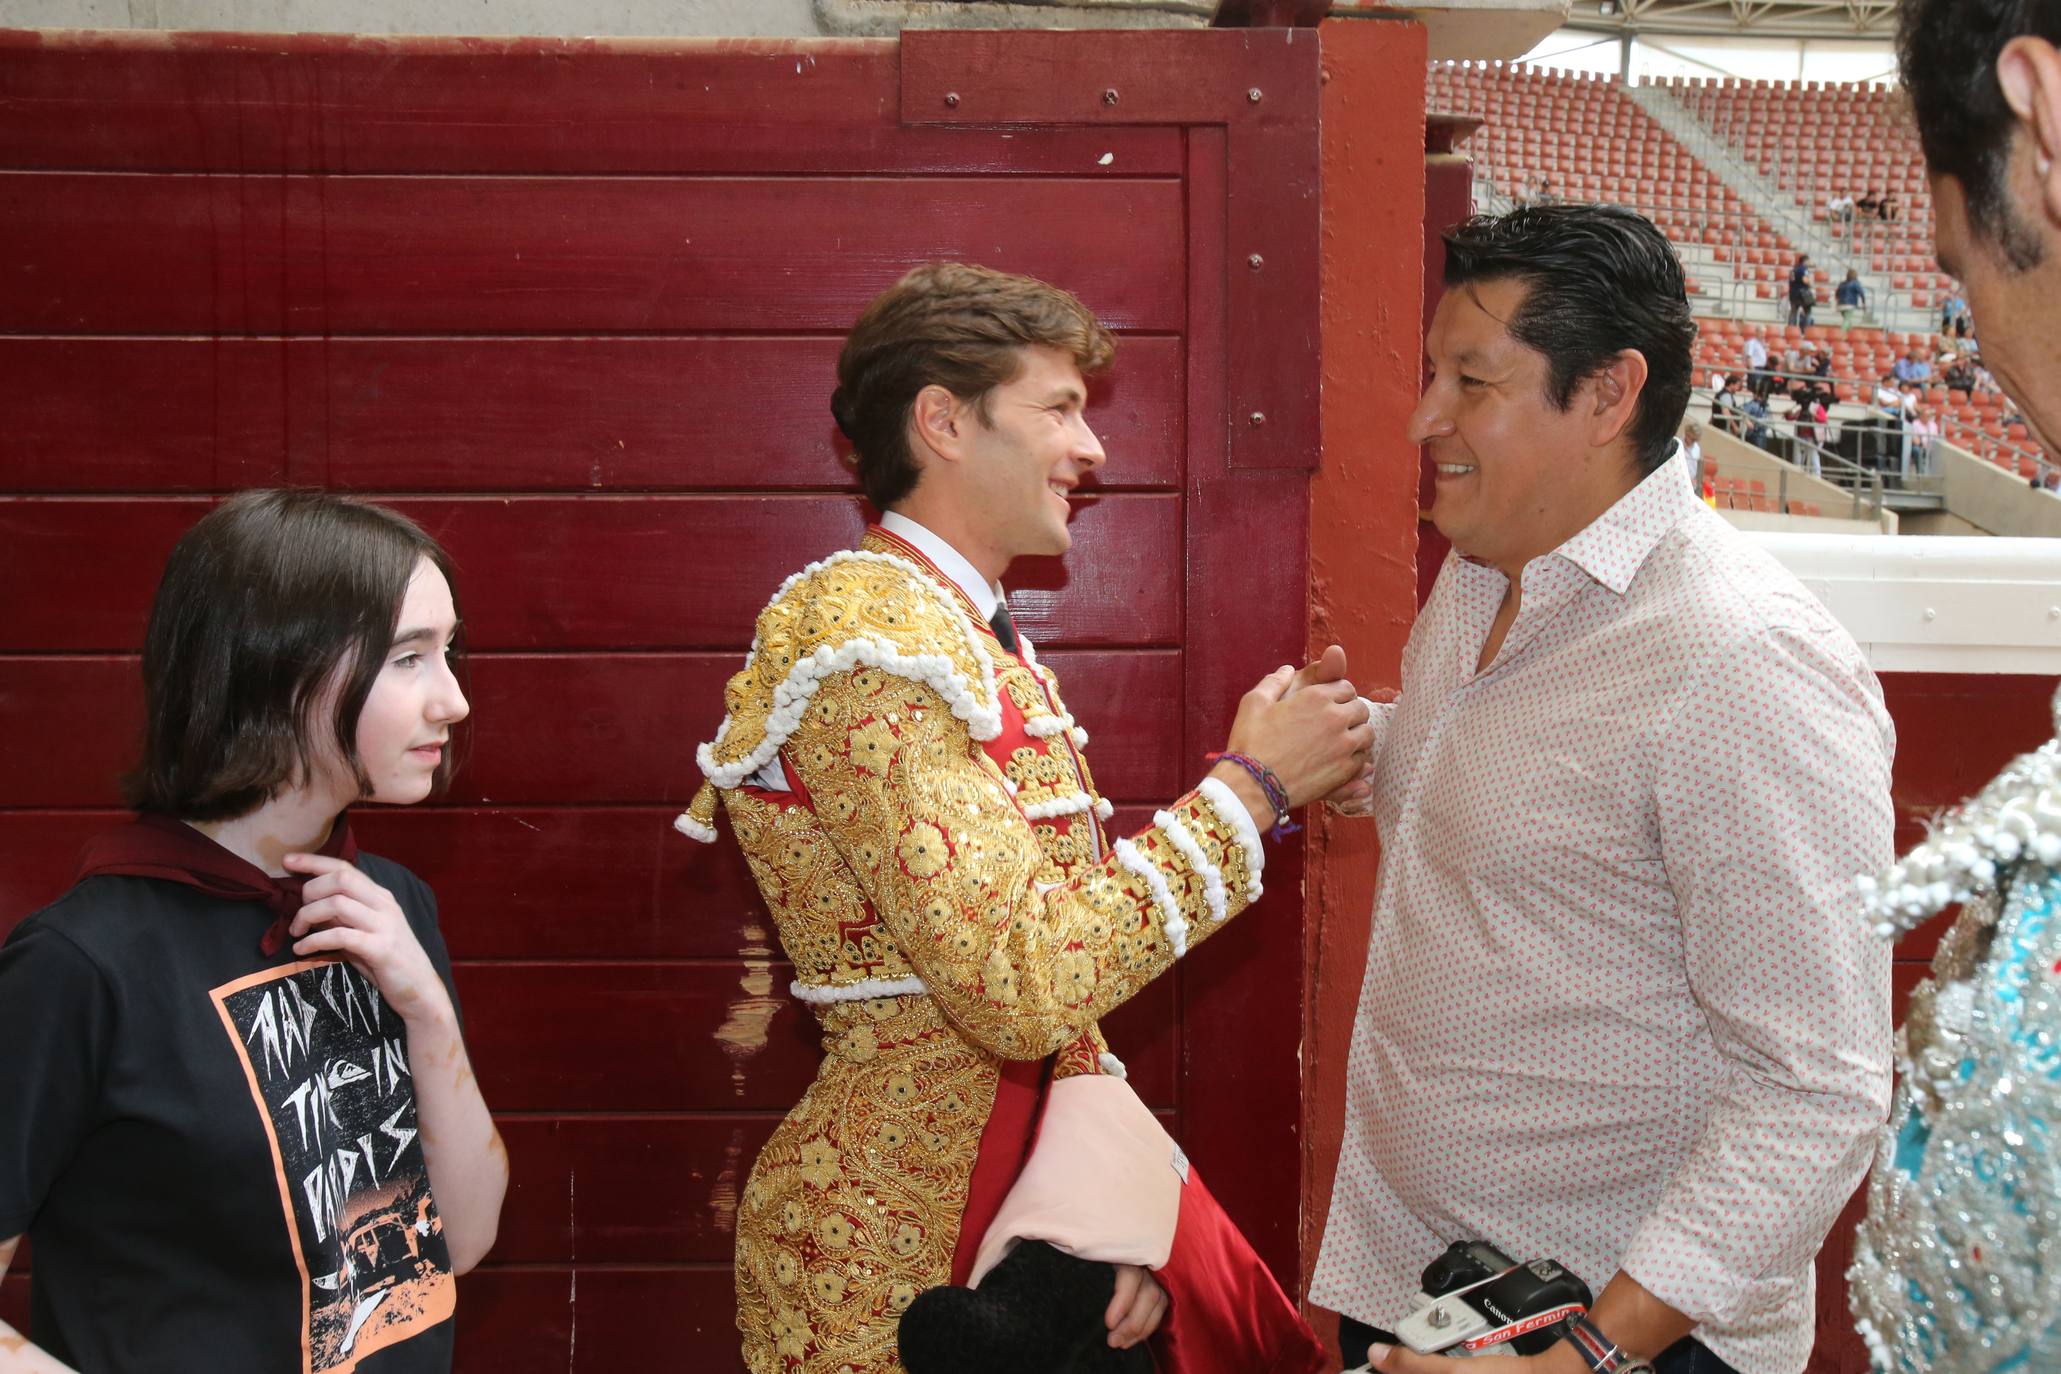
[
  {"x": 482, "y": 414},
  {"x": 266, "y": 103},
  {"x": 586, "y": 883},
  {"x": 1955, "y": 731},
  {"x": 68, "y": 728},
  {"x": 100, "y": 561},
  {"x": 663, "y": 572},
  {"x": 143, "y": 414},
  {"x": 645, "y": 1037},
  {"x": 301, "y": 255},
  {"x": 625, "y": 1189},
  {"x": 616, "y": 728},
  {"x": 588, "y": 1319},
  {"x": 564, "y": 572}
]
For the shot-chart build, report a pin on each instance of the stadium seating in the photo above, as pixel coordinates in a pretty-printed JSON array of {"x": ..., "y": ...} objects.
[{"x": 1577, "y": 136}]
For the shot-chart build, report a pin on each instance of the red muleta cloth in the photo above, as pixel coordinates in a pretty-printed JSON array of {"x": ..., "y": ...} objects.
[{"x": 1104, "y": 1181}]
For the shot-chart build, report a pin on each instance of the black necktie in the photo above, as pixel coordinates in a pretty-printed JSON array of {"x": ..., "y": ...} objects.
[{"x": 1003, "y": 626}]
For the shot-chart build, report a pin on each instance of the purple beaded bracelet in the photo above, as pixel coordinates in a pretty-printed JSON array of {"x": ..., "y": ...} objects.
[{"x": 1269, "y": 785}]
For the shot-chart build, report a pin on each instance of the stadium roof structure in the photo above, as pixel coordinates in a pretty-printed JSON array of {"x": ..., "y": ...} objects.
[{"x": 1864, "y": 19}]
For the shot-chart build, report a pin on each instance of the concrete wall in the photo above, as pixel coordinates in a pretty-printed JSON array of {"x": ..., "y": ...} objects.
[
  {"x": 1993, "y": 500},
  {"x": 1737, "y": 459},
  {"x": 601, "y": 18},
  {"x": 1768, "y": 522},
  {"x": 1457, "y": 28}
]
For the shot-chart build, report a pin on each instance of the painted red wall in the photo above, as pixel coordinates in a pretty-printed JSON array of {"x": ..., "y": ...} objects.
[{"x": 1363, "y": 508}]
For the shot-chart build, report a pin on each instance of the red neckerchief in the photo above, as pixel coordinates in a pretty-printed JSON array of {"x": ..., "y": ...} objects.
[{"x": 159, "y": 847}]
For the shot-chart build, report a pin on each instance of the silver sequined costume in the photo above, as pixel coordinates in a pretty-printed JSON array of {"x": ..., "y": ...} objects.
[{"x": 1957, "y": 1267}]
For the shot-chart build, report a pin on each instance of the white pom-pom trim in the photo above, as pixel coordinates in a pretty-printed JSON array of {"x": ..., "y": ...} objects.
[
  {"x": 1212, "y": 877},
  {"x": 979, "y": 708},
  {"x": 693, "y": 829},
  {"x": 1044, "y": 727},
  {"x": 1104, "y": 808},
  {"x": 1112, "y": 1066},
  {"x": 823, "y": 994},
  {"x": 1232, "y": 812},
  {"x": 1162, "y": 896},
  {"x": 2016, "y": 817},
  {"x": 1070, "y": 805}
]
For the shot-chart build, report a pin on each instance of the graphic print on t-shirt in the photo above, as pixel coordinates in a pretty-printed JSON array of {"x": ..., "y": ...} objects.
[{"x": 328, "y": 1066}]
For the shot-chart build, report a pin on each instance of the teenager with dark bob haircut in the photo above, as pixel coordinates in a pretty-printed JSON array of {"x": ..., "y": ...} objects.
[
  {"x": 237, "y": 1117},
  {"x": 1601, "y": 279}
]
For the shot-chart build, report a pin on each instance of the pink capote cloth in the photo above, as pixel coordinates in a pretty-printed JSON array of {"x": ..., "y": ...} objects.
[
  {"x": 1103, "y": 1181},
  {"x": 1106, "y": 1182}
]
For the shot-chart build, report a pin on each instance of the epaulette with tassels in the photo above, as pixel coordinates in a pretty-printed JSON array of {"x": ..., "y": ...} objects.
[{"x": 856, "y": 608}]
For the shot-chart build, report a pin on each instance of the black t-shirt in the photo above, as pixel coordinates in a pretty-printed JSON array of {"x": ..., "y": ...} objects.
[{"x": 214, "y": 1154}]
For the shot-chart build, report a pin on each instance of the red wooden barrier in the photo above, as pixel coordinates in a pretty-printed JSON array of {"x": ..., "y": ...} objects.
[{"x": 575, "y": 307}]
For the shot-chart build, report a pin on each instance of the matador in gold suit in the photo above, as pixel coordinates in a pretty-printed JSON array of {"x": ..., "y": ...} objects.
[{"x": 915, "y": 803}]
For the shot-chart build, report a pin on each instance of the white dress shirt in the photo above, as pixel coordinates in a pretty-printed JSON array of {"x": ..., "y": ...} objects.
[
  {"x": 1620, "y": 1007},
  {"x": 953, "y": 564}
]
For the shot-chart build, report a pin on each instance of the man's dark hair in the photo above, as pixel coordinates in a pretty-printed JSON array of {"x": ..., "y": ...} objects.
[
  {"x": 1947, "y": 54},
  {"x": 1601, "y": 279},
  {"x": 953, "y": 325},
  {"x": 272, "y": 600}
]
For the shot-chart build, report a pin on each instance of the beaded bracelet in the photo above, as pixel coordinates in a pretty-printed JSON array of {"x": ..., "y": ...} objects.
[{"x": 1269, "y": 785}]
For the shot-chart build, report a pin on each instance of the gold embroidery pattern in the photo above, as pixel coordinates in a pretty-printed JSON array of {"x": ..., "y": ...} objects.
[{"x": 915, "y": 860}]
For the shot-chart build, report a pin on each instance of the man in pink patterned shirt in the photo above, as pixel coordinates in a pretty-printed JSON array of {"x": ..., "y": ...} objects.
[{"x": 1620, "y": 1008}]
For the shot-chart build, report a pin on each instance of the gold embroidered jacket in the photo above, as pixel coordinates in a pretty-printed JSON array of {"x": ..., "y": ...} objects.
[{"x": 937, "y": 869}]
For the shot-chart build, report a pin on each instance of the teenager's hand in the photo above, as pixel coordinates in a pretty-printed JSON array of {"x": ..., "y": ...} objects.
[
  {"x": 347, "y": 913},
  {"x": 1137, "y": 1309},
  {"x": 1316, "y": 737}
]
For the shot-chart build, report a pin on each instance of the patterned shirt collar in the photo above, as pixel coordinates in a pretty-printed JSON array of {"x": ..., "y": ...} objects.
[{"x": 1617, "y": 543}]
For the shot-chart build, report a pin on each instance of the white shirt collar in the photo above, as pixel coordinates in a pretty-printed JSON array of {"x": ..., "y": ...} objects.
[{"x": 987, "y": 596}]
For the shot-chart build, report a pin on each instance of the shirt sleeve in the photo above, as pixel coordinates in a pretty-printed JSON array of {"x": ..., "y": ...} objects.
[
  {"x": 57, "y": 1019},
  {"x": 1773, "y": 794},
  {"x": 951, "y": 864},
  {"x": 419, "y": 905}
]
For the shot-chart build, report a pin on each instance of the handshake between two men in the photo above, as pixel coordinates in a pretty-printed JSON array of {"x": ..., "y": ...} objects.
[{"x": 1311, "y": 736}]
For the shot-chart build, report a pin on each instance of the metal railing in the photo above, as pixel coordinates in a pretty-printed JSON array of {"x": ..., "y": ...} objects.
[{"x": 1913, "y": 470}]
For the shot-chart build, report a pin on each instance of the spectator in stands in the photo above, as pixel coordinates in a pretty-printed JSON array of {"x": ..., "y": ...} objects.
[
  {"x": 1911, "y": 367},
  {"x": 1869, "y": 205},
  {"x": 1953, "y": 315},
  {"x": 1851, "y": 297},
  {"x": 1756, "y": 412},
  {"x": 1758, "y": 377},
  {"x": 1692, "y": 451},
  {"x": 1724, "y": 405},
  {"x": 1886, "y": 211},
  {"x": 1959, "y": 374},
  {"x": 1840, "y": 209},
  {"x": 1883, "y": 434},
  {"x": 1801, "y": 297},
  {"x": 1924, "y": 430},
  {"x": 1821, "y": 364}
]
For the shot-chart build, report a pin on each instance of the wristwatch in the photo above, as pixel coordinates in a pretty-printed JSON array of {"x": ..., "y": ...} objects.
[{"x": 1599, "y": 1352}]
